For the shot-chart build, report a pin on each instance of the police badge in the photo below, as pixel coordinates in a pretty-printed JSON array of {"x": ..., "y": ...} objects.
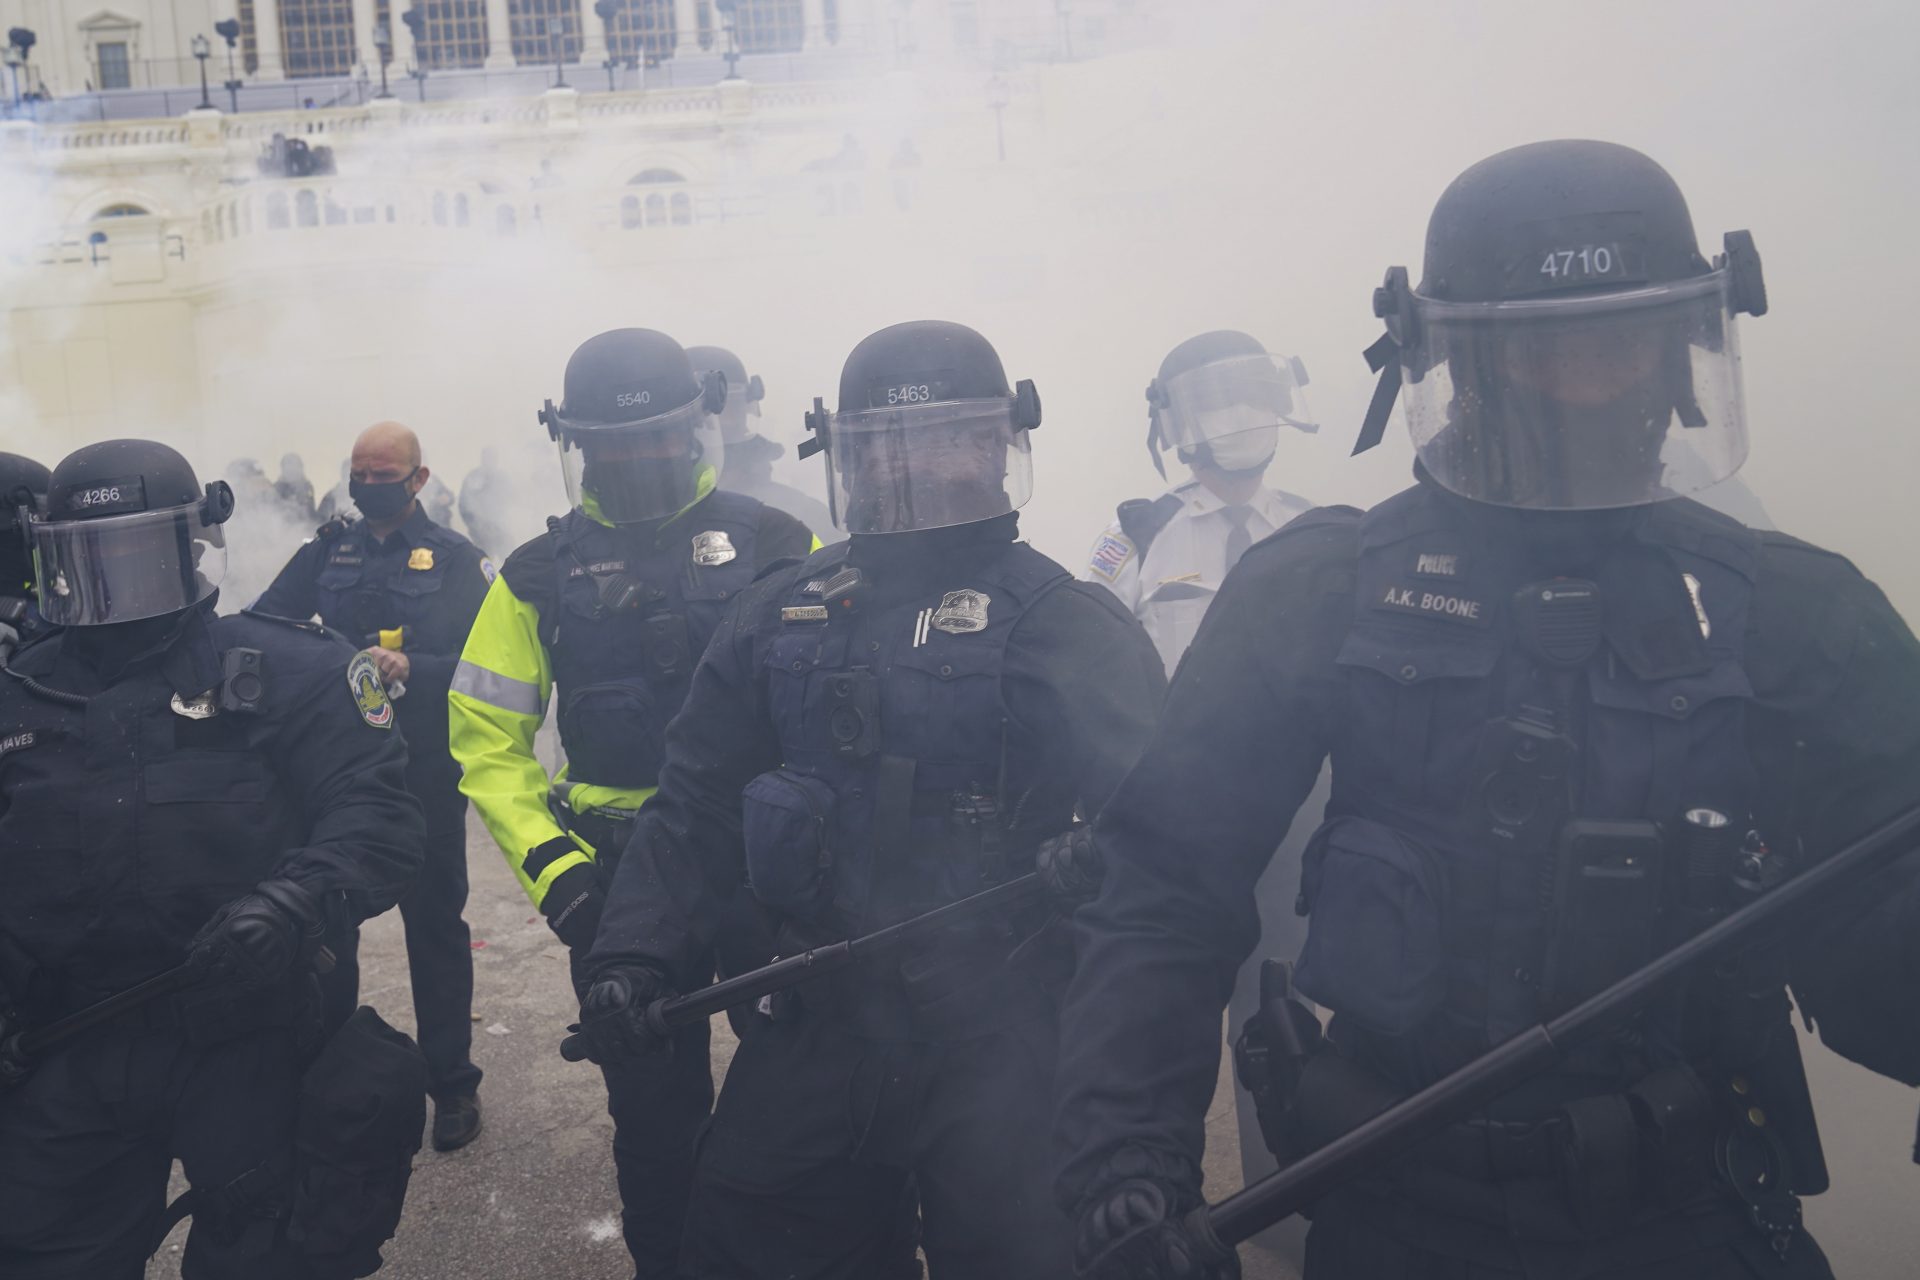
[
  {"x": 962, "y": 612},
  {"x": 712, "y": 547}
]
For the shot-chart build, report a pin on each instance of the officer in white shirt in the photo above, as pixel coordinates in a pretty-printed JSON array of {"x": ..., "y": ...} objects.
[{"x": 1221, "y": 401}]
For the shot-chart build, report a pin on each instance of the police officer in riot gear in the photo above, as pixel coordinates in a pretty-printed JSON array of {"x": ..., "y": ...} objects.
[
  {"x": 1223, "y": 404},
  {"x": 1573, "y": 716},
  {"x": 23, "y": 484},
  {"x": 609, "y": 611},
  {"x": 407, "y": 589},
  {"x": 888, "y": 727},
  {"x": 750, "y": 455},
  {"x": 174, "y": 784}
]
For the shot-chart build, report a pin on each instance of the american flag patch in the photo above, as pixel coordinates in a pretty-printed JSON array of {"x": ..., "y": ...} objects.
[{"x": 1110, "y": 555}]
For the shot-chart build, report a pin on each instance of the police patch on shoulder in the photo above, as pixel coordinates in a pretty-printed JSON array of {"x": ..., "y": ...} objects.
[
  {"x": 363, "y": 680},
  {"x": 1110, "y": 555},
  {"x": 962, "y": 612}
]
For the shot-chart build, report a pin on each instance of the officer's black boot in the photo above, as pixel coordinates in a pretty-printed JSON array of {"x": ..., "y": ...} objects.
[{"x": 456, "y": 1121}]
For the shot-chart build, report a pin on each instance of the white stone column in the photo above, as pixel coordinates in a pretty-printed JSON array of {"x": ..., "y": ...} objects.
[
  {"x": 364, "y": 52},
  {"x": 593, "y": 37},
  {"x": 266, "y": 41},
  {"x": 686, "y": 27},
  {"x": 499, "y": 37}
]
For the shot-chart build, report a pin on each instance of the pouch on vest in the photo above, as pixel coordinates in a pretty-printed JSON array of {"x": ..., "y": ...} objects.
[
  {"x": 613, "y": 734},
  {"x": 363, "y": 1104},
  {"x": 784, "y": 818},
  {"x": 1373, "y": 951}
]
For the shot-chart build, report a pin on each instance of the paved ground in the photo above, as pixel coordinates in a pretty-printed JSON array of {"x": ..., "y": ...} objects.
[{"x": 534, "y": 1197}]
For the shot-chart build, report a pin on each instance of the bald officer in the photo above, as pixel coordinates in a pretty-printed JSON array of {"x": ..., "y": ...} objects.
[{"x": 407, "y": 589}]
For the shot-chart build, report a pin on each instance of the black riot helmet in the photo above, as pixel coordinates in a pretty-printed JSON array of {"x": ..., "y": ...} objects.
[
  {"x": 638, "y": 430},
  {"x": 128, "y": 533},
  {"x": 1568, "y": 347},
  {"x": 1221, "y": 399},
  {"x": 23, "y": 495},
  {"x": 744, "y": 392},
  {"x": 927, "y": 434}
]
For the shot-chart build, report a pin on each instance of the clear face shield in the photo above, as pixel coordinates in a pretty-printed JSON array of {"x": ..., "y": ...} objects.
[
  {"x": 1234, "y": 409},
  {"x": 926, "y": 466},
  {"x": 648, "y": 469},
  {"x": 1579, "y": 402},
  {"x": 743, "y": 405},
  {"x": 124, "y": 568}
]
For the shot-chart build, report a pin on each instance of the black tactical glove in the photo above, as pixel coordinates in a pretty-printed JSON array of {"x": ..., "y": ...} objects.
[
  {"x": 613, "y": 1017},
  {"x": 254, "y": 940},
  {"x": 1070, "y": 866},
  {"x": 1132, "y": 1226},
  {"x": 573, "y": 900}
]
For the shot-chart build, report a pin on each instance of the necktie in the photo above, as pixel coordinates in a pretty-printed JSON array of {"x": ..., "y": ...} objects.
[{"x": 1238, "y": 538}]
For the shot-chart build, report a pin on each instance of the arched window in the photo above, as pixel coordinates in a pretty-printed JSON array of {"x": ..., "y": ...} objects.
[
  {"x": 277, "y": 211},
  {"x": 504, "y": 220},
  {"x": 122, "y": 210},
  {"x": 306, "y": 209},
  {"x": 439, "y": 208},
  {"x": 316, "y": 37},
  {"x": 642, "y": 30},
  {"x": 661, "y": 207},
  {"x": 454, "y": 35},
  {"x": 769, "y": 26},
  {"x": 460, "y": 215},
  {"x": 536, "y": 38}
]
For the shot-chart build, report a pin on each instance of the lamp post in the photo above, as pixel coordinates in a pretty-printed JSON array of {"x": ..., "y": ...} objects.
[
  {"x": 999, "y": 95},
  {"x": 14, "y": 61},
  {"x": 229, "y": 31},
  {"x": 202, "y": 50},
  {"x": 557, "y": 45},
  {"x": 416, "y": 21},
  {"x": 20, "y": 42},
  {"x": 383, "y": 45}
]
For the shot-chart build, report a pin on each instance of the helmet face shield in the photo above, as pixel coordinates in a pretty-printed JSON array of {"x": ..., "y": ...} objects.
[
  {"x": 1579, "y": 402},
  {"x": 1229, "y": 412},
  {"x": 646, "y": 469},
  {"x": 124, "y": 568},
  {"x": 926, "y": 466}
]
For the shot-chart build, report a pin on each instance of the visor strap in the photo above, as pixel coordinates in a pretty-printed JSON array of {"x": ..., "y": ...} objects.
[{"x": 1383, "y": 357}]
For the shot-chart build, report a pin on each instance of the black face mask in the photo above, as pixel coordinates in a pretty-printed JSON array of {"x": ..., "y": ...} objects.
[{"x": 381, "y": 501}]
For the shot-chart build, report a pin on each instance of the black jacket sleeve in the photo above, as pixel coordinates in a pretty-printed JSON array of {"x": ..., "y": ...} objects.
[
  {"x": 1837, "y": 736},
  {"x": 1185, "y": 839},
  {"x": 685, "y": 858},
  {"x": 365, "y": 837},
  {"x": 780, "y": 537},
  {"x": 1083, "y": 687},
  {"x": 292, "y": 594}
]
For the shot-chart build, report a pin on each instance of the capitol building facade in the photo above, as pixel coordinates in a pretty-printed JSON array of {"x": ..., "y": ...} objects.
[{"x": 776, "y": 177}]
